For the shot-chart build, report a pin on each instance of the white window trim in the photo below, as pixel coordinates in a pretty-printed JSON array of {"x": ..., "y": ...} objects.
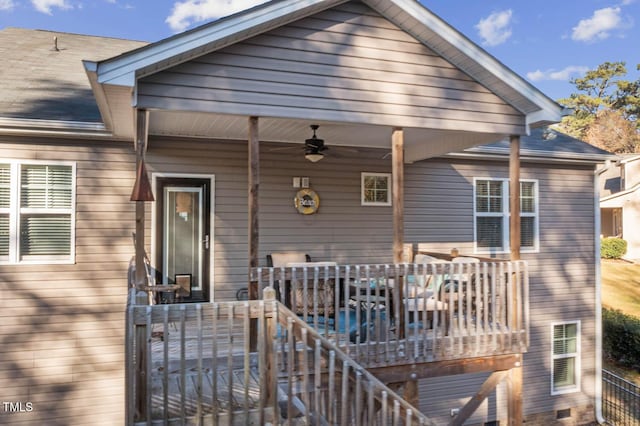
[
  {"x": 506, "y": 246},
  {"x": 578, "y": 356},
  {"x": 375, "y": 203},
  {"x": 15, "y": 211}
]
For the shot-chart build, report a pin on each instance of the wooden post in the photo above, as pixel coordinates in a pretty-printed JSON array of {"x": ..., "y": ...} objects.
[
  {"x": 271, "y": 318},
  {"x": 142, "y": 132},
  {"x": 514, "y": 197},
  {"x": 397, "y": 170},
  {"x": 515, "y": 374},
  {"x": 140, "y": 370},
  {"x": 253, "y": 231},
  {"x": 254, "y": 184},
  {"x": 411, "y": 393},
  {"x": 514, "y": 391}
]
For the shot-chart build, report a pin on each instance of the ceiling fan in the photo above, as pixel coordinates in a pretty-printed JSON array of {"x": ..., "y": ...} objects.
[{"x": 314, "y": 146}]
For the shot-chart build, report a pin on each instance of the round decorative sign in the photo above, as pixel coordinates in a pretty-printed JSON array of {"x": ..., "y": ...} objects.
[{"x": 306, "y": 201}]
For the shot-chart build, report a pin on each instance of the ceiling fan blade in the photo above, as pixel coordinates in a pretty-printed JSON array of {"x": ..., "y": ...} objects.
[{"x": 286, "y": 148}]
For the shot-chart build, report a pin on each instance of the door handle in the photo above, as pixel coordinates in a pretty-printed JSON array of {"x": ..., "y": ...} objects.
[{"x": 206, "y": 242}]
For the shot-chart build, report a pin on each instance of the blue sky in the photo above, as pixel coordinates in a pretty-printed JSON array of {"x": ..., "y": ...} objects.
[{"x": 547, "y": 42}]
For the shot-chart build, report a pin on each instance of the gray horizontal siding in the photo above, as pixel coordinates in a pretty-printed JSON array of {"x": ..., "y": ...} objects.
[
  {"x": 337, "y": 65},
  {"x": 62, "y": 333},
  {"x": 562, "y": 273}
]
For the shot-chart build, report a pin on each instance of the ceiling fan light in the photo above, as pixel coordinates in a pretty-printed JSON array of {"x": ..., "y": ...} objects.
[{"x": 314, "y": 157}]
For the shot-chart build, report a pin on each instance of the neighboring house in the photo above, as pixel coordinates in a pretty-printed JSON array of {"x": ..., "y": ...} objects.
[
  {"x": 620, "y": 203},
  {"x": 361, "y": 70}
]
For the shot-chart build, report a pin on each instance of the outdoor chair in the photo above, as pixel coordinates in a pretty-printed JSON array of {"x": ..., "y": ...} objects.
[
  {"x": 317, "y": 307},
  {"x": 280, "y": 260}
]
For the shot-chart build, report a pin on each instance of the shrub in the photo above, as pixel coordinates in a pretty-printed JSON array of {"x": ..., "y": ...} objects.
[
  {"x": 612, "y": 248},
  {"x": 621, "y": 338}
]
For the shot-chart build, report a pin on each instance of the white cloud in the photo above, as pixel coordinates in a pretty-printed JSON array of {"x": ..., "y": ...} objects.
[
  {"x": 188, "y": 12},
  {"x": 495, "y": 29},
  {"x": 45, "y": 6},
  {"x": 562, "y": 75},
  {"x": 598, "y": 26},
  {"x": 7, "y": 4}
]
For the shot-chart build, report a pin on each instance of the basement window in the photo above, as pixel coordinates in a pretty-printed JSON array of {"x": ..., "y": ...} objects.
[{"x": 565, "y": 357}]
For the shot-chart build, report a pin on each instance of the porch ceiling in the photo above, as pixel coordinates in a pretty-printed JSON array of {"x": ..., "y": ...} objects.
[{"x": 419, "y": 143}]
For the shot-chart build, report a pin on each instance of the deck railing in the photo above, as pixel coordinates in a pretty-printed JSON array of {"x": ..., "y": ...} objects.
[
  {"x": 191, "y": 364},
  {"x": 393, "y": 314}
]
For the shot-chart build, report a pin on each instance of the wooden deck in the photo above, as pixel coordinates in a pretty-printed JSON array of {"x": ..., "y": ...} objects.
[{"x": 259, "y": 362}]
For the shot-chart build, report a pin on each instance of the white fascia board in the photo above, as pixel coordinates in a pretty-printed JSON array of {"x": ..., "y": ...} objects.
[
  {"x": 83, "y": 126},
  {"x": 98, "y": 93},
  {"x": 123, "y": 70},
  {"x": 551, "y": 111},
  {"x": 55, "y": 128},
  {"x": 630, "y": 159}
]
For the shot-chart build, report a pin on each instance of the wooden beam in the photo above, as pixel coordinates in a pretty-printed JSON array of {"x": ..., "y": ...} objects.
[
  {"x": 514, "y": 197},
  {"x": 400, "y": 373},
  {"x": 142, "y": 133},
  {"x": 472, "y": 405}
]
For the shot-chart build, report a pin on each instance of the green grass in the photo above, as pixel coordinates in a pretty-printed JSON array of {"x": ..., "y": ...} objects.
[
  {"x": 621, "y": 290},
  {"x": 621, "y": 286}
]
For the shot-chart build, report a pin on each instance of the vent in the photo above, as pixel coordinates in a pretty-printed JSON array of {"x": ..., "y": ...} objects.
[{"x": 563, "y": 414}]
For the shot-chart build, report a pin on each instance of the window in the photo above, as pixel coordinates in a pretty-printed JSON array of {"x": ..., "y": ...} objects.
[
  {"x": 565, "y": 358},
  {"x": 491, "y": 213},
  {"x": 36, "y": 212},
  {"x": 376, "y": 189}
]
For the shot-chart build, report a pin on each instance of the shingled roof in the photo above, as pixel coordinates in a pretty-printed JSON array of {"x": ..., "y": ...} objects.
[
  {"x": 38, "y": 81},
  {"x": 548, "y": 143}
]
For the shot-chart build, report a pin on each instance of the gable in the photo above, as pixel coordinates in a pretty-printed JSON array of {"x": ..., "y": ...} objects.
[{"x": 348, "y": 64}]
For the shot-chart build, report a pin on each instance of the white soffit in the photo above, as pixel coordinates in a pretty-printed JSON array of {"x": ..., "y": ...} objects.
[{"x": 419, "y": 143}]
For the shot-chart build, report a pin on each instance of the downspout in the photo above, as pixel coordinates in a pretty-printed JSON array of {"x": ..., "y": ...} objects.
[{"x": 596, "y": 201}]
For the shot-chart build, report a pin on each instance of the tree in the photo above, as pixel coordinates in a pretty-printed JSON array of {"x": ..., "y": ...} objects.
[
  {"x": 605, "y": 109},
  {"x": 611, "y": 131}
]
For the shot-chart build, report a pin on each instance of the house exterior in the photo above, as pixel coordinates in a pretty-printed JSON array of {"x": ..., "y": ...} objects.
[
  {"x": 620, "y": 203},
  {"x": 376, "y": 76}
]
